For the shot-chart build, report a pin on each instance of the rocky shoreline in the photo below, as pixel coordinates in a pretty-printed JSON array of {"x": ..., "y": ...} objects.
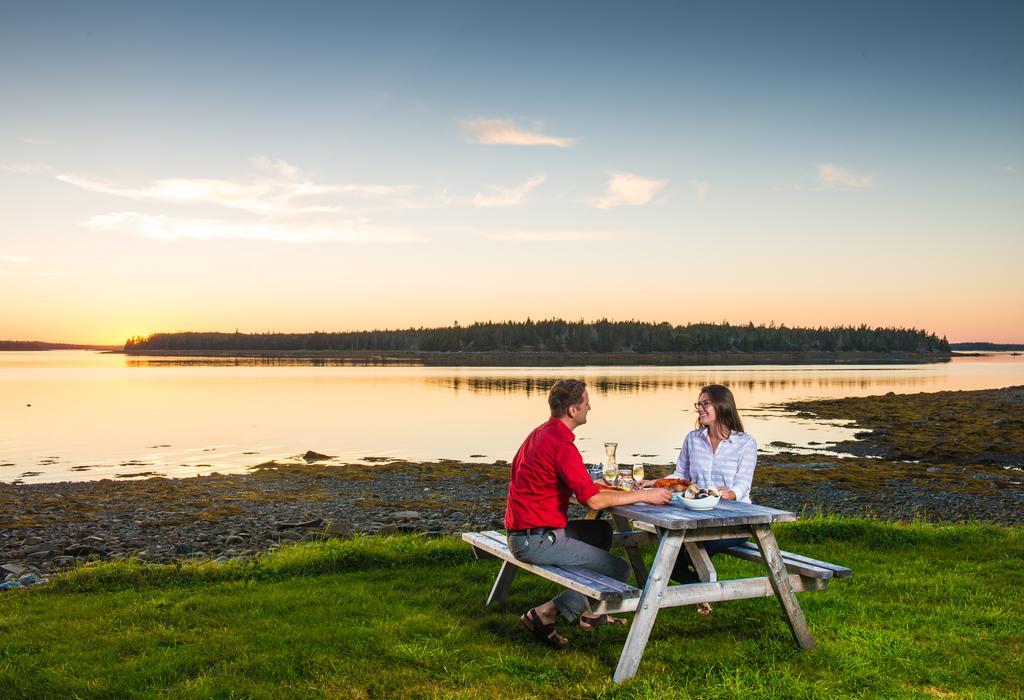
[
  {"x": 934, "y": 463},
  {"x": 60, "y": 525}
]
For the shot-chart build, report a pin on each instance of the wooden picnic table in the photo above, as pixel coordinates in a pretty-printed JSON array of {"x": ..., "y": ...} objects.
[{"x": 678, "y": 527}]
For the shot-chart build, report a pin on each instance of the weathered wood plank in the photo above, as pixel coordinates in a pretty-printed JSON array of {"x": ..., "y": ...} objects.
[
  {"x": 590, "y": 584},
  {"x": 715, "y": 592},
  {"x": 503, "y": 583},
  {"x": 752, "y": 554},
  {"x": 703, "y": 534},
  {"x": 782, "y": 586},
  {"x": 599, "y": 580},
  {"x": 647, "y": 607},
  {"x": 726, "y": 514},
  {"x": 837, "y": 570},
  {"x": 636, "y": 561},
  {"x": 481, "y": 554},
  {"x": 701, "y": 562}
]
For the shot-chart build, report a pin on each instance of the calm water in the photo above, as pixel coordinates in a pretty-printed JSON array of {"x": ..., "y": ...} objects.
[{"x": 75, "y": 415}]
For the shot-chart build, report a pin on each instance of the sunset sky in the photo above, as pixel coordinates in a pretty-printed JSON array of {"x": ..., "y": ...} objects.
[{"x": 337, "y": 166}]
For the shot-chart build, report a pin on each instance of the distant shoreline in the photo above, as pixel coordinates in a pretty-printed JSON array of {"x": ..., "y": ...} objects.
[
  {"x": 38, "y": 346},
  {"x": 555, "y": 359}
]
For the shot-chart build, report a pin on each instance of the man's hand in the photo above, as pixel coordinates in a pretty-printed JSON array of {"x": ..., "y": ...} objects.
[
  {"x": 656, "y": 496},
  {"x": 726, "y": 493}
]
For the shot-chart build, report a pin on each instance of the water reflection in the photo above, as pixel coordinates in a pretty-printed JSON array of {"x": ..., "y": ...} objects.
[
  {"x": 605, "y": 386},
  {"x": 81, "y": 415},
  {"x": 377, "y": 361}
]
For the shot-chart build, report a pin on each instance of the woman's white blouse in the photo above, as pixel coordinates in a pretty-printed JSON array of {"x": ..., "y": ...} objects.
[{"x": 732, "y": 466}]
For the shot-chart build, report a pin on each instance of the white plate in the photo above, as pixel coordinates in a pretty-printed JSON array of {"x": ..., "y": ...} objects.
[{"x": 706, "y": 503}]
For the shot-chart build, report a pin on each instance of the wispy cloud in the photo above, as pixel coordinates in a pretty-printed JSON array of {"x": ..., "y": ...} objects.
[
  {"x": 1012, "y": 169},
  {"x": 279, "y": 193},
  {"x": 168, "y": 228},
  {"x": 505, "y": 132},
  {"x": 33, "y": 141},
  {"x": 836, "y": 176},
  {"x": 628, "y": 189},
  {"x": 701, "y": 189},
  {"x": 498, "y": 196},
  {"x": 542, "y": 236},
  {"x": 26, "y": 168},
  {"x": 286, "y": 206}
]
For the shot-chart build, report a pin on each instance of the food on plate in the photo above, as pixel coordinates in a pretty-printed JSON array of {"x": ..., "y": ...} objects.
[
  {"x": 694, "y": 491},
  {"x": 673, "y": 485},
  {"x": 605, "y": 487}
]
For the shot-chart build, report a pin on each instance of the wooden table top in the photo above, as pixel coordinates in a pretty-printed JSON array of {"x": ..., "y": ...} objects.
[{"x": 677, "y": 517}]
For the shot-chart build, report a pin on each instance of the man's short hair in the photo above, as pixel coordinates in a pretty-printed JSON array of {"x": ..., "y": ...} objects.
[{"x": 565, "y": 393}]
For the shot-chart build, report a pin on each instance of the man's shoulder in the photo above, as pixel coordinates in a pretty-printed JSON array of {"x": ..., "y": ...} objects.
[{"x": 554, "y": 429}]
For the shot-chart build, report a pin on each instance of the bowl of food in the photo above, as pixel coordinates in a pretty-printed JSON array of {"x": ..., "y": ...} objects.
[{"x": 696, "y": 498}]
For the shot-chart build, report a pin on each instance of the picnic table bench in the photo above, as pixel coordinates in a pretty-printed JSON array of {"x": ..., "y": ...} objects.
[{"x": 674, "y": 528}]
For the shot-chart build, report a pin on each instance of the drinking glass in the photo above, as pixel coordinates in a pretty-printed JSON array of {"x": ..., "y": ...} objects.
[{"x": 638, "y": 472}]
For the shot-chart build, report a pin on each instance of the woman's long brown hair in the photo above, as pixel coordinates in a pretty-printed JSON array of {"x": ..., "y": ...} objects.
[{"x": 726, "y": 415}]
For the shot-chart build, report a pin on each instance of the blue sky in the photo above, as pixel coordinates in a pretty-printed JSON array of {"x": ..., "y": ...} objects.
[{"x": 333, "y": 166}]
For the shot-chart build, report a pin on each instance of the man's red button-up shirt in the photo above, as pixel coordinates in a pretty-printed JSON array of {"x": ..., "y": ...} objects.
[{"x": 546, "y": 470}]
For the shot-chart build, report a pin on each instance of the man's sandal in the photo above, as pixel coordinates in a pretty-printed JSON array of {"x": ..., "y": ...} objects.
[
  {"x": 541, "y": 632},
  {"x": 704, "y": 609},
  {"x": 592, "y": 623}
]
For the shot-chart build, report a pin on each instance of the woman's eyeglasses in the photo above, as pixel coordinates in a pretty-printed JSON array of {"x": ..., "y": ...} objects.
[{"x": 702, "y": 404}]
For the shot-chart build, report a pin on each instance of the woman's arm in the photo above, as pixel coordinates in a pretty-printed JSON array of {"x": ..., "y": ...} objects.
[
  {"x": 609, "y": 498},
  {"x": 739, "y": 489}
]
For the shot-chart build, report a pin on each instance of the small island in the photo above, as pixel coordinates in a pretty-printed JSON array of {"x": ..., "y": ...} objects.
[{"x": 556, "y": 342}]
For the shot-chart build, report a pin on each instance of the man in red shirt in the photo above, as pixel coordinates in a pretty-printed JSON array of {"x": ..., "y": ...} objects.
[{"x": 547, "y": 469}]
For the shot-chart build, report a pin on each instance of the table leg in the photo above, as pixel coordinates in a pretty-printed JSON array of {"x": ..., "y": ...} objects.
[
  {"x": 650, "y": 602},
  {"x": 701, "y": 562},
  {"x": 503, "y": 583},
  {"x": 632, "y": 552},
  {"x": 780, "y": 584}
]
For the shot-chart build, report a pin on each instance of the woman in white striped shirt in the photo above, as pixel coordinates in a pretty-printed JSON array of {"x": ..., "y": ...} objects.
[{"x": 718, "y": 453}]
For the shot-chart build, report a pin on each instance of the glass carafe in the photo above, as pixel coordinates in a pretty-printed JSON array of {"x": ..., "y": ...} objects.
[{"x": 611, "y": 466}]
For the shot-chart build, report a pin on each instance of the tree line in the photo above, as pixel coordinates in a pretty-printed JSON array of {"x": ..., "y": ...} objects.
[{"x": 556, "y": 335}]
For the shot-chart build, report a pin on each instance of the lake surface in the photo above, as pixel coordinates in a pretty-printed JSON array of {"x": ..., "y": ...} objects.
[{"x": 77, "y": 415}]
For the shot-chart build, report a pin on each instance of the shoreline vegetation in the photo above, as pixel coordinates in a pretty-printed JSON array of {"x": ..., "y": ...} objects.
[
  {"x": 531, "y": 358},
  {"x": 35, "y": 345},
  {"x": 556, "y": 342}
]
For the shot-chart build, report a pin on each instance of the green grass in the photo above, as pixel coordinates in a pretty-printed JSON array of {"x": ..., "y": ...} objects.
[{"x": 932, "y": 611}]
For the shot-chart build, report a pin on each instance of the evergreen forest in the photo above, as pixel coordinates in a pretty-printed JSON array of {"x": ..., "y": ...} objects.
[{"x": 556, "y": 335}]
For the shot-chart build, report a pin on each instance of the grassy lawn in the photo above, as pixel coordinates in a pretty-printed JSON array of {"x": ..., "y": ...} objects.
[{"x": 932, "y": 611}]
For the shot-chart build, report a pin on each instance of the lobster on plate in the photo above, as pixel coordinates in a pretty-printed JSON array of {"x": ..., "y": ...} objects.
[{"x": 672, "y": 484}]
